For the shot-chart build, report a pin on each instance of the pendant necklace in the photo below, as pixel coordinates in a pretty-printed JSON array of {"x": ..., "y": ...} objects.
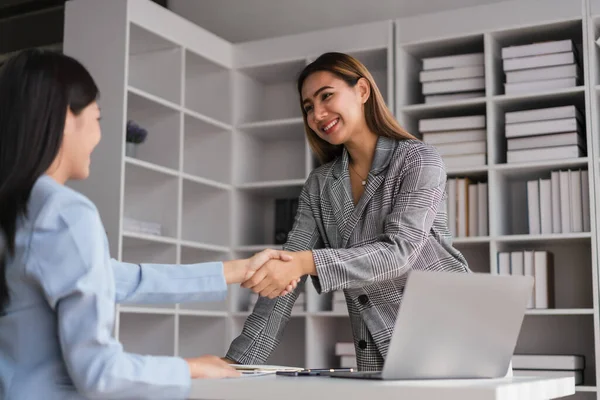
[{"x": 363, "y": 181}]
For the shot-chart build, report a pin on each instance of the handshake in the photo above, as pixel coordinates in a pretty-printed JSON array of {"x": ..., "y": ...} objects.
[{"x": 273, "y": 273}]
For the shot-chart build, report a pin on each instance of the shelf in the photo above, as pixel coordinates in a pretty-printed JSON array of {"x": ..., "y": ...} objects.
[
  {"x": 206, "y": 211},
  {"x": 154, "y": 64},
  {"x": 474, "y": 172},
  {"x": 149, "y": 238},
  {"x": 275, "y": 189},
  {"x": 146, "y": 310},
  {"x": 546, "y": 238},
  {"x": 449, "y": 105},
  {"x": 208, "y": 88},
  {"x": 149, "y": 334},
  {"x": 275, "y": 129},
  {"x": 269, "y": 92},
  {"x": 151, "y": 195},
  {"x": 204, "y": 246},
  {"x": 150, "y": 166},
  {"x": 471, "y": 240},
  {"x": 162, "y": 123},
  {"x": 518, "y": 170},
  {"x": 586, "y": 389},
  {"x": 206, "y": 182},
  {"x": 153, "y": 98},
  {"x": 202, "y": 313},
  {"x": 566, "y": 311}
]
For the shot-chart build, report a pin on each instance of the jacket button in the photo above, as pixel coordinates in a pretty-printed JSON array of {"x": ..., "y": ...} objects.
[
  {"x": 362, "y": 345},
  {"x": 363, "y": 299}
]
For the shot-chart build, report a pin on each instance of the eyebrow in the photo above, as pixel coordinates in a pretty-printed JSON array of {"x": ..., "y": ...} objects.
[{"x": 317, "y": 92}]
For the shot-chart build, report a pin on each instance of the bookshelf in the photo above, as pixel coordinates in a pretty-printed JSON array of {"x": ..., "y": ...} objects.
[{"x": 226, "y": 139}]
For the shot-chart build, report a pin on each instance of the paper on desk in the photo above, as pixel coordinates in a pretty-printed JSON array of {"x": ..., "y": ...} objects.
[{"x": 263, "y": 368}]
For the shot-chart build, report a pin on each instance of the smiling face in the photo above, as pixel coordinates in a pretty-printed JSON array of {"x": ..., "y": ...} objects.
[
  {"x": 82, "y": 135},
  {"x": 334, "y": 109}
]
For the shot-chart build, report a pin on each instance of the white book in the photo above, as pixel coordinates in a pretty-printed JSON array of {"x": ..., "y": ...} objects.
[
  {"x": 482, "y": 209},
  {"x": 516, "y": 263},
  {"x": 543, "y": 73},
  {"x": 577, "y": 375},
  {"x": 441, "y": 98},
  {"x": 444, "y": 137},
  {"x": 473, "y": 210},
  {"x": 460, "y": 148},
  {"x": 540, "y": 86},
  {"x": 576, "y": 201},
  {"x": 452, "y": 207},
  {"x": 555, "y": 188},
  {"x": 565, "y": 202},
  {"x": 540, "y": 141},
  {"x": 465, "y": 161},
  {"x": 462, "y": 190},
  {"x": 345, "y": 349},
  {"x": 543, "y": 154},
  {"x": 533, "y": 207},
  {"x": 545, "y": 206},
  {"x": 472, "y": 71},
  {"x": 453, "y": 86},
  {"x": 543, "y": 279},
  {"x": 545, "y": 60},
  {"x": 542, "y": 127},
  {"x": 452, "y": 123},
  {"x": 528, "y": 270},
  {"x": 548, "y": 362},
  {"x": 459, "y": 60},
  {"x": 348, "y": 362},
  {"x": 542, "y": 114},
  {"x": 503, "y": 263},
  {"x": 585, "y": 200},
  {"x": 533, "y": 49}
]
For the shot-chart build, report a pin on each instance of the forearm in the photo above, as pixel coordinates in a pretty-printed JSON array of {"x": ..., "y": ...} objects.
[{"x": 235, "y": 271}]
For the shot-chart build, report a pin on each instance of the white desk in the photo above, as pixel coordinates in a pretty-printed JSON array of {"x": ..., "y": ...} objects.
[{"x": 271, "y": 387}]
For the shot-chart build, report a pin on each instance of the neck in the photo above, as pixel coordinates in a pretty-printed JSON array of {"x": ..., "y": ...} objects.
[
  {"x": 361, "y": 149},
  {"x": 57, "y": 171}
]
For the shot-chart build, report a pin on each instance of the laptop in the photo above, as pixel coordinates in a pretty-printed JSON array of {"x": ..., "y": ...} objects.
[{"x": 454, "y": 326}]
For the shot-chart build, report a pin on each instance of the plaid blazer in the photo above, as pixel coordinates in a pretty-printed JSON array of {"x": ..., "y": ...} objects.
[{"x": 399, "y": 224}]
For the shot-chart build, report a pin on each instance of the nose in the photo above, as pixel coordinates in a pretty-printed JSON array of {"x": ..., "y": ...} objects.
[{"x": 319, "y": 113}]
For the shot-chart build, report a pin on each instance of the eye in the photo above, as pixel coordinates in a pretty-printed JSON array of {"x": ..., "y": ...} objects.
[
  {"x": 325, "y": 96},
  {"x": 308, "y": 109}
]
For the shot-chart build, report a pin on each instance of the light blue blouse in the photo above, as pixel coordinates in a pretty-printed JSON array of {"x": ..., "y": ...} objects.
[{"x": 56, "y": 335}]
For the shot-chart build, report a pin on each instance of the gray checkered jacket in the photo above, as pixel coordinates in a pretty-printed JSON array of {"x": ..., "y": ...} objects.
[{"x": 399, "y": 224}]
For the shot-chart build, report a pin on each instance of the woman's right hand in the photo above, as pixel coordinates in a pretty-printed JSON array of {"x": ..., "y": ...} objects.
[{"x": 207, "y": 367}]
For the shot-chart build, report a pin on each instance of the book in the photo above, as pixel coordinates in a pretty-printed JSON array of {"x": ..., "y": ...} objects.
[
  {"x": 536, "y": 61},
  {"x": 533, "y": 49},
  {"x": 459, "y": 60},
  {"x": 543, "y": 73},
  {"x": 542, "y": 127},
  {"x": 454, "y": 86},
  {"x": 471, "y": 71},
  {"x": 578, "y": 375},
  {"x": 448, "y": 137},
  {"x": 543, "y": 114},
  {"x": 440, "y": 98},
  {"x": 252, "y": 368},
  {"x": 540, "y": 141},
  {"x": 538, "y": 86},
  {"x": 465, "y": 161},
  {"x": 542, "y": 154},
  {"x": 460, "y": 148},
  {"x": 452, "y": 123},
  {"x": 548, "y": 362}
]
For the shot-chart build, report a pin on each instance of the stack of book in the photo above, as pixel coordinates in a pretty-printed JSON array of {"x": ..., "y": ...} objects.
[
  {"x": 559, "y": 204},
  {"x": 285, "y": 212},
  {"x": 550, "y": 366},
  {"x": 467, "y": 207},
  {"x": 347, "y": 354},
  {"x": 454, "y": 77},
  {"x": 461, "y": 141},
  {"x": 541, "y": 66},
  {"x": 299, "y": 305},
  {"x": 338, "y": 302},
  {"x": 540, "y": 134},
  {"x": 538, "y": 264}
]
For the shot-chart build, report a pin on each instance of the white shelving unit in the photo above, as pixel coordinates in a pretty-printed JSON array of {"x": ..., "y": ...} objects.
[{"x": 226, "y": 139}]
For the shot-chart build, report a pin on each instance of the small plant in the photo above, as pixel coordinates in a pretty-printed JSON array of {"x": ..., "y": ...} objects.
[{"x": 135, "y": 133}]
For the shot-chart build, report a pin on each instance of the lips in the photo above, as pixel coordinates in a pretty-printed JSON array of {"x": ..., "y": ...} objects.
[{"x": 330, "y": 126}]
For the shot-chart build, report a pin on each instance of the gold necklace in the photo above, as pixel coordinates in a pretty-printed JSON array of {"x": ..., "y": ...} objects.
[{"x": 363, "y": 180}]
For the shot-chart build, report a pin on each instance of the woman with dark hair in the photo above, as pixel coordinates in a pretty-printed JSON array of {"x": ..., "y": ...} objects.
[
  {"x": 58, "y": 284},
  {"x": 371, "y": 213}
]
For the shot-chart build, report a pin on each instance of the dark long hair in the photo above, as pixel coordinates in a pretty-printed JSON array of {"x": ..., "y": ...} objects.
[
  {"x": 36, "y": 89},
  {"x": 378, "y": 116}
]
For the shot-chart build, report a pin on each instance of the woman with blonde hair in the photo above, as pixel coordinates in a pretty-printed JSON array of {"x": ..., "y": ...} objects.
[{"x": 373, "y": 211}]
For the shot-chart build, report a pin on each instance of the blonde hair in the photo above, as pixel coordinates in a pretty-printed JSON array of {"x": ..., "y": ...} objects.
[{"x": 377, "y": 115}]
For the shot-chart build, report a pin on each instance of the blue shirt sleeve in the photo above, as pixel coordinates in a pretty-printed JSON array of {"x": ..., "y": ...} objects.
[
  {"x": 161, "y": 284},
  {"x": 72, "y": 266}
]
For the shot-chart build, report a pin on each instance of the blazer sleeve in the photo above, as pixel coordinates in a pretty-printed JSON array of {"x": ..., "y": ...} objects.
[
  {"x": 264, "y": 328},
  {"x": 421, "y": 189},
  {"x": 72, "y": 268}
]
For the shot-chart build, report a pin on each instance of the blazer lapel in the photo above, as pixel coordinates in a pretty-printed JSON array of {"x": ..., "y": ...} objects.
[
  {"x": 384, "y": 151},
  {"x": 341, "y": 194}
]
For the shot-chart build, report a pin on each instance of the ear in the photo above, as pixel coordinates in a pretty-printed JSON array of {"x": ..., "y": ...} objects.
[
  {"x": 364, "y": 89},
  {"x": 69, "y": 122}
]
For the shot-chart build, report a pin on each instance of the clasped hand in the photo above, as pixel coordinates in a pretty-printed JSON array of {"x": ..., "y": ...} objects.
[{"x": 273, "y": 273}]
